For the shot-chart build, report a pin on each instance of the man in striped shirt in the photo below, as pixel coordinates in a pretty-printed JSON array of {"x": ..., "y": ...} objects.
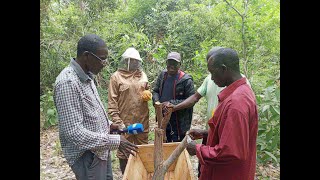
[{"x": 84, "y": 128}]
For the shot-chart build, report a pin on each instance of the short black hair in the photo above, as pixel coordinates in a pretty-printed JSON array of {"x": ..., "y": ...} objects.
[
  {"x": 212, "y": 50},
  {"x": 226, "y": 56},
  {"x": 89, "y": 42}
]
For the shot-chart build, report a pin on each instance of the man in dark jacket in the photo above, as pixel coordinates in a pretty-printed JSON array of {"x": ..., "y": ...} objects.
[{"x": 174, "y": 86}]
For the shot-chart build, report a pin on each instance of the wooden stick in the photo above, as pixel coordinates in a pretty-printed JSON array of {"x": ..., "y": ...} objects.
[
  {"x": 161, "y": 170},
  {"x": 166, "y": 118},
  {"x": 158, "y": 149},
  {"x": 159, "y": 116}
]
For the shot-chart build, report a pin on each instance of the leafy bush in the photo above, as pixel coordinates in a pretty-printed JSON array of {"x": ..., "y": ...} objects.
[
  {"x": 47, "y": 107},
  {"x": 268, "y": 142}
]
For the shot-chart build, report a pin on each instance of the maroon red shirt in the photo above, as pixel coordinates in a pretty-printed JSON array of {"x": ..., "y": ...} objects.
[{"x": 230, "y": 151}]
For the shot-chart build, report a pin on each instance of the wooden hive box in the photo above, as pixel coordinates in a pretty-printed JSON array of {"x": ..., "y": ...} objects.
[{"x": 141, "y": 167}]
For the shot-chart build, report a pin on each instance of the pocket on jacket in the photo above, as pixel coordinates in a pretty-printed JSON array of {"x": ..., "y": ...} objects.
[{"x": 123, "y": 87}]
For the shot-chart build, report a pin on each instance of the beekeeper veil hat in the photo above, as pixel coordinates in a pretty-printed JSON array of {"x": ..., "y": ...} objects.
[
  {"x": 131, "y": 53},
  {"x": 127, "y": 56}
]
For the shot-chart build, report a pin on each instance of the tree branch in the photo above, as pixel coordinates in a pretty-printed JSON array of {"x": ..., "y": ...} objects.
[
  {"x": 159, "y": 116},
  {"x": 233, "y": 8}
]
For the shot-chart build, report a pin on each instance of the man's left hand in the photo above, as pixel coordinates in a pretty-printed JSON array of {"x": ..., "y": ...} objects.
[
  {"x": 191, "y": 148},
  {"x": 114, "y": 127}
]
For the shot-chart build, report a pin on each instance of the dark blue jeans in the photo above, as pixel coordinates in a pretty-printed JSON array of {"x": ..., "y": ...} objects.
[{"x": 90, "y": 167}]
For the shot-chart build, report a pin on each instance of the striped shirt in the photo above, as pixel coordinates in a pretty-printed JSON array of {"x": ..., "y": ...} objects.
[{"x": 83, "y": 122}]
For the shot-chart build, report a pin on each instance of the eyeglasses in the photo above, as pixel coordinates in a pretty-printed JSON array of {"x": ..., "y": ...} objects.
[{"x": 104, "y": 61}]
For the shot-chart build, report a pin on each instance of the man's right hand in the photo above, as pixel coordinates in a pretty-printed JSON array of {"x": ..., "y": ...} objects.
[
  {"x": 197, "y": 133},
  {"x": 127, "y": 147}
]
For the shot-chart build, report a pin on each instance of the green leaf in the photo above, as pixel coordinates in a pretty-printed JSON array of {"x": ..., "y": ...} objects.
[
  {"x": 269, "y": 135},
  {"x": 272, "y": 156},
  {"x": 259, "y": 99},
  {"x": 265, "y": 107},
  {"x": 50, "y": 99},
  {"x": 275, "y": 117},
  {"x": 275, "y": 109},
  {"x": 52, "y": 121},
  {"x": 278, "y": 94},
  {"x": 50, "y": 112},
  {"x": 270, "y": 83},
  {"x": 274, "y": 143},
  {"x": 263, "y": 146}
]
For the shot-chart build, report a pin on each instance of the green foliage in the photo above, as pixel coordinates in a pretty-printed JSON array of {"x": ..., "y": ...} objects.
[
  {"x": 47, "y": 107},
  {"x": 268, "y": 143},
  {"x": 152, "y": 111}
]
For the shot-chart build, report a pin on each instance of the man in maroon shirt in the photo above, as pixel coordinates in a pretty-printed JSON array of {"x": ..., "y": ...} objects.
[{"x": 230, "y": 151}]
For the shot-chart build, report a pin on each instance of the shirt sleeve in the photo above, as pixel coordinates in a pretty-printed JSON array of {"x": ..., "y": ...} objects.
[
  {"x": 203, "y": 88},
  {"x": 233, "y": 144},
  {"x": 70, "y": 114}
]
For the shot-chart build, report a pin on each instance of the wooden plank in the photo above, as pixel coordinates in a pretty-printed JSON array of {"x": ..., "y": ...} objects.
[
  {"x": 135, "y": 169},
  {"x": 141, "y": 167},
  {"x": 189, "y": 165},
  {"x": 171, "y": 175},
  {"x": 183, "y": 169},
  {"x": 146, "y": 152}
]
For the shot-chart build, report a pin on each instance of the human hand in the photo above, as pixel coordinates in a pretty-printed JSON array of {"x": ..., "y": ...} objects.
[
  {"x": 146, "y": 95},
  {"x": 114, "y": 127},
  {"x": 127, "y": 147},
  {"x": 166, "y": 106},
  {"x": 197, "y": 133},
  {"x": 191, "y": 148}
]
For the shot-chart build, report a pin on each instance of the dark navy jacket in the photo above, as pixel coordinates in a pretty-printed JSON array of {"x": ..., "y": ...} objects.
[{"x": 183, "y": 88}]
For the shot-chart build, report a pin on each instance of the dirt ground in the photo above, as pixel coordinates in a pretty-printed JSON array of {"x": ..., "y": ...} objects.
[{"x": 53, "y": 165}]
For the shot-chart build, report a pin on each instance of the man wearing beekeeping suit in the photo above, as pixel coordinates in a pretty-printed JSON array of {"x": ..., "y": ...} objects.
[{"x": 128, "y": 97}]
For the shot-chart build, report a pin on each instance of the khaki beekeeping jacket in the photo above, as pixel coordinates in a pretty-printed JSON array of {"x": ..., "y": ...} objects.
[{"x": 125, "y": 104}]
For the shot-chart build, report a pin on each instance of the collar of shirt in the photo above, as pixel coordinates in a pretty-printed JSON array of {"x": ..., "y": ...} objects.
[
  {"x": 79, "y": 71},
  {"x": 229, "y": 89}
]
